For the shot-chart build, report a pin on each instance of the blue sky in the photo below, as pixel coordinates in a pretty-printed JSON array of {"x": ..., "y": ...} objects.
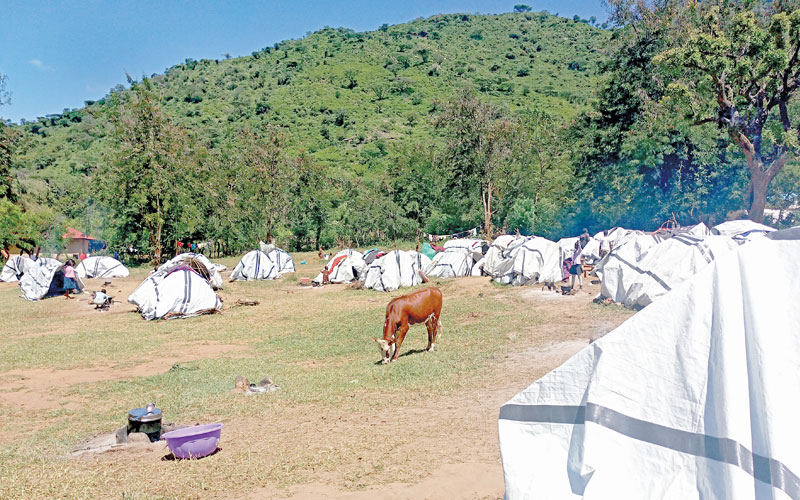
[{"x": 58, "y": 54}]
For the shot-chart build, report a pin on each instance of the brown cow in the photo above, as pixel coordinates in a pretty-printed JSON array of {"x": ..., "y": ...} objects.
[{"x": 422, "y": 306}]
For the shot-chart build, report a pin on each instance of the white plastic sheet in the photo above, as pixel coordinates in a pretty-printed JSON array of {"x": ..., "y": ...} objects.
[
  {"x": 178, "y": 292},
  {"x": 394, "y": 270},
  {"x": 101, "y": 267},
  {"x": 695, "y": 397},
  {"x": 344, "y": 267},
  {"x": 258, "y": 265}
]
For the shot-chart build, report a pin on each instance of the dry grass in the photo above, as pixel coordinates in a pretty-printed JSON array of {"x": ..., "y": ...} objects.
[{"x": 68, "y": 372}]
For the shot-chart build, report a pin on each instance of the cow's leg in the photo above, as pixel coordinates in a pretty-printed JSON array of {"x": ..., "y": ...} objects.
[
  {"x": 435, "y": 321},
  {"x": 401, "y": 331},
  {"x": 430, "y": 325}
]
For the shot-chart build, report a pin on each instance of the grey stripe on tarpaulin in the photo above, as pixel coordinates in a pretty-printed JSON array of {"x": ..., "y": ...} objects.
[
  {"x": 555, "y": 414},
  {"x": 399, "y": 267},
  {"x": 105, "y": 273},
  {"x": 767, "y": 470},
  {"x": 642, "y": 271},
  {"x": 786, "y": 234}
]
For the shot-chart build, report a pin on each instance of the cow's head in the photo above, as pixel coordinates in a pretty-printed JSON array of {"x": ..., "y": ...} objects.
[{"x": 387, "y": 348}]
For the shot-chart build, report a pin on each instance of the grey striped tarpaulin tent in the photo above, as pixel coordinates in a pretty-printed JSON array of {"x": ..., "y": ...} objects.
[
  {"x": 176, "y": 293},
  {"x": 694, "y": 397},
  {"x": 394, "y": 270},
  {"x": 101, "y": 267}
]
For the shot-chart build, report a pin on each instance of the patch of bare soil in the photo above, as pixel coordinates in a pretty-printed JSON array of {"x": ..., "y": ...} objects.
[
  {"x": 465, "y": 481},
  {"x": 38, "y": 389}
]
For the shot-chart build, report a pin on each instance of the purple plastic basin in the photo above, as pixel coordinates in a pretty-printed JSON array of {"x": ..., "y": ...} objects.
[{"x": 193, "y": 442}]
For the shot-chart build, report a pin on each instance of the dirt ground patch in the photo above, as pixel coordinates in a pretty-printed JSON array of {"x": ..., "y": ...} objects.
[{"x": 41, "y": 388}]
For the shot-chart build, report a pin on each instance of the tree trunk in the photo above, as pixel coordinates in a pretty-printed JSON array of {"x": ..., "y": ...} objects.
[
  {"x": 760, "y": 177},
  {"x": 318, "y": 235},
  {"x": 758, "y": 197},
  {"x": 487, "y": 210}
]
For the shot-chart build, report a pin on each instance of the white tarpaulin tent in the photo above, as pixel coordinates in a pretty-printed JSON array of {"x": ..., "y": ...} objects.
[
  {"x": 282, "y": 259},
  {"x": 695, "y": 397},
  {"x": 14, "y": 268},
  {"x": 617, "y": 269},
  {"x": 457, "y": 259},
  {"x": 529, "y": 260},
  {"x": 496, "y": 254},
  {"x": 590, "y": 253},
  {"x": 257, "y": 265},
  {"x": 346, "y": 266},
  {"x": 743, "y": 230},
  {"x": 101, "y": 267},
  {"x": 614, "y": 237},
  {"x": 661, "y": 268},
  {"x": 44, "y": 278},
  {"x": 175, "y": 293},
  {"x": 199, "y": 263},
  {"x": 394, "y": 270}
]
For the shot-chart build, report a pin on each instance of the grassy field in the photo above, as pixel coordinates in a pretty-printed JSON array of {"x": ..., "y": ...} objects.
[{"x": 68, "y": 373}]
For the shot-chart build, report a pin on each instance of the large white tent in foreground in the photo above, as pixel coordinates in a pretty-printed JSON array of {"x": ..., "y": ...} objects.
[{"x": 695, "y": 397}]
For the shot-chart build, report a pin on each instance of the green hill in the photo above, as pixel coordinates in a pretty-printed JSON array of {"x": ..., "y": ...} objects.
[{"x": 344, "y": 98}]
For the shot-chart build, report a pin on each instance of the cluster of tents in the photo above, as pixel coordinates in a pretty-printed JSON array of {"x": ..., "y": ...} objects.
[
  {"x": 634, "y": 267},
  {"x": 641, "y": 267},
  {"x": 693, "y": 397},
  {"x": 44, "y": 277},
  {"x": 512, "y": 260}
]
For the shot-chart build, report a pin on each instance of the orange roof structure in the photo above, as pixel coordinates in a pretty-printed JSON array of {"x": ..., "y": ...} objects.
[{"x": 74, "y": 234}]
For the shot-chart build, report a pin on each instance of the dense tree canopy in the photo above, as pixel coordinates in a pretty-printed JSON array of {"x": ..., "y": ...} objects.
[{"x": 516, "y": 122}]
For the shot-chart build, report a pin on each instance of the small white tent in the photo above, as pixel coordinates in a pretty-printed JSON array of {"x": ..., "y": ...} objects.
[
  {"x": 177, "y": 293},
  {"x": 14, "y": 268},
  {"x": 201, "y": 264},
  {"x": 695, "y": 397},
  {"x": 282, "y": 259},
  {"x": 743, "y": 230},
  {"x": 457, "y": 259},
  {"x": 257, "y": 265},
  {"x": 530, "y": 260},
  {"x": 394, "y": 270},
  {"x": 614, "y": 237},
  {"x": 346, "y": 266},
  {"x": 101, "y": 267},
  {"x": 44, "y": 278},
  {"x": 617, "y": 269},
  {"x": 497, "y": 253}
]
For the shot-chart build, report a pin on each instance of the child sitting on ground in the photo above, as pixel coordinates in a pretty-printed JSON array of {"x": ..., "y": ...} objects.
[{"x": 101, "y": 300}]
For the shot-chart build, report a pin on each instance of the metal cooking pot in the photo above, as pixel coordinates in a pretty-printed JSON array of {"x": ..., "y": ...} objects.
[{"x": 146, "y": 420}]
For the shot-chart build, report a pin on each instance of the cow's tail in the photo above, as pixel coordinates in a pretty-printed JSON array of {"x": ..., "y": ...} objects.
[{"x": 438, "y": 328}]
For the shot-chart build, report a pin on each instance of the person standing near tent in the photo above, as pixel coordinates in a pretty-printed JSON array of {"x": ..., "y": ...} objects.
[
  {"x": 69, "y": 278},
  {"x": 576, "y": 269}
]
